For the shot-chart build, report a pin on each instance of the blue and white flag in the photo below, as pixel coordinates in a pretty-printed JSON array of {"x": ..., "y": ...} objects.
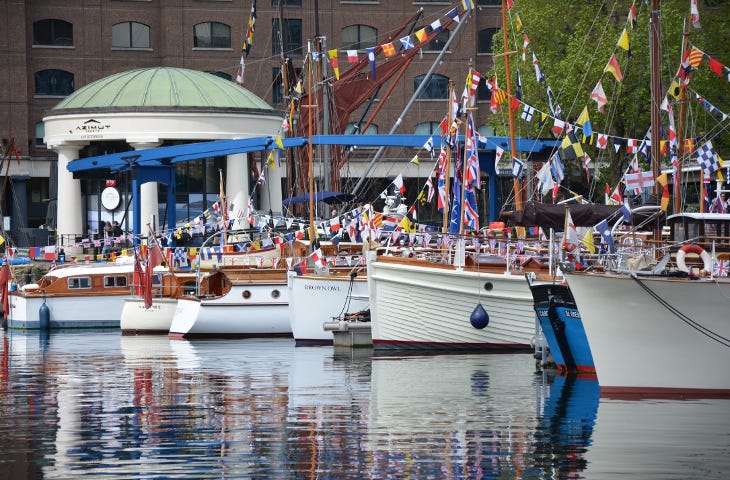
[{"x": 606, "y": 236}]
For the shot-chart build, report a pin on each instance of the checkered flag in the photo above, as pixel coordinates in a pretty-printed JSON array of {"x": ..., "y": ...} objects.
[
  {"x": 179, "y": 256},
  {"x": 707, "y": 158}
]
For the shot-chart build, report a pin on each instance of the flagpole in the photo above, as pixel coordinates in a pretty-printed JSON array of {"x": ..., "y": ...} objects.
[
  {"x": 513, "y": 147},
  {"x": 447, "y": 180},
  {"x": 680, "y": 135}
]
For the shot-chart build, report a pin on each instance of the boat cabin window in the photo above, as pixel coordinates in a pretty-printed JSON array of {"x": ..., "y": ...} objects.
[
  {"x": 79, "y": 282},
  {"x": 116, "y": 281},
  {"x": 688, "y": 229},
  {"x": 190, "y": 288},
  {"x": 156, "y": 280}
]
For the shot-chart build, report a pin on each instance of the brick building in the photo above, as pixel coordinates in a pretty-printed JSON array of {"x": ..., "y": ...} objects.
[{"x": 51, "y": 49}]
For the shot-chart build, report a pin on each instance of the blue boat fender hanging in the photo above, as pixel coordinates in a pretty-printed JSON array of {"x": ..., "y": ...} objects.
[
  {"x": 44, "y": 316},
  {"x": 479, "y": 317}
]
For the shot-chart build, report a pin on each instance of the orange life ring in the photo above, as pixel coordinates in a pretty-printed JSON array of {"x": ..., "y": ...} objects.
[{"x": 696, "y": 249}]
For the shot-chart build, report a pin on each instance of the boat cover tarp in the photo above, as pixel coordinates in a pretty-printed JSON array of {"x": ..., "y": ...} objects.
[
  {"x": 326, "y": 197},
  {"x": 546, "y": 215}
]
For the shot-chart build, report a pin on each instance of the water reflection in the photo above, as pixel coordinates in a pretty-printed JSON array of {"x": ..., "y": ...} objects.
[{"x": 91, "y": 404}]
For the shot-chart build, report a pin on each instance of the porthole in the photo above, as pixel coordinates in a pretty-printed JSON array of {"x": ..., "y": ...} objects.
[
  {"x": 247, "y": 294},
  {"x": 488, "y": 286},
  {"x": 275, "y": 294}
]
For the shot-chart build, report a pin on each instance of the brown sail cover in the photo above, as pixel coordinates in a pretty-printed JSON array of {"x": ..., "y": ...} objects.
[{"x": 553, "y": 216}]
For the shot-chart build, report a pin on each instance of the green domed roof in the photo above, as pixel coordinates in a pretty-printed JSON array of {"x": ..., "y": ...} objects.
[{"x": 162, "y": 87}]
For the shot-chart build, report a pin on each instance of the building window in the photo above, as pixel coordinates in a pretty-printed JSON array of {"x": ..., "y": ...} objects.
[
  {"x": 351, "y": 130},
  {"x": 438, "y": 42},
  {"x": 53, "y": 32},
  {"x": 436, "y": 89},
  {"x": 52, "y": 82},
  {"x": 483, "y": 92},
  {"x": 286, "y": 3},
  {"x": 291, "y": 36},
  {"x": 277, "y": 91},
  {"x": 222, "y": 75},
  {"x": 486, "y": 37},
  {"x": 427, "y": 128},
  {"x": 212, "y": 35},
  {"x": 130, "y": 35},
  {"x": 359, "y": 37},
  {"x": 40, "y": 133},
  {"x": 493, "y": 3}
]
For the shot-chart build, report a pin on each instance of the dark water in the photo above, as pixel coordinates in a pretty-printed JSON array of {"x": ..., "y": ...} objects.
[{"x": 99, "y": 405}]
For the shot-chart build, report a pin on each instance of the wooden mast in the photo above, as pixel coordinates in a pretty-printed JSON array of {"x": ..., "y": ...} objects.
[
  {"x": 312, "y": 226},
  {"x": 655, "y": 94},
  {"x": 680, "y": 135},
  {"x": 517, "y": 183}
]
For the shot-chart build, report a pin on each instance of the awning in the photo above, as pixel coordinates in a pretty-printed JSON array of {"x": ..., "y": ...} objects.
[{"x": 326, "y": 197}]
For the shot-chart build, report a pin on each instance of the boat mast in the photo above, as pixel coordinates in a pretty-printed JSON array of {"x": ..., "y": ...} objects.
[
  {"x": 656, "y": 100},
  {"x": 680, "y": 133},
  {"x": 517, "y": 183},
  {"x": 310, "y": 107}
]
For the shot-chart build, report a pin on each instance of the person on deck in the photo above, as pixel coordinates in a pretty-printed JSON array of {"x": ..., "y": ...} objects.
[{"x": 108, "y": 234}]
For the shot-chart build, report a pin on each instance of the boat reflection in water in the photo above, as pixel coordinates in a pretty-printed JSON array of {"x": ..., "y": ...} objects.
[{"x": 98, "y": 404}]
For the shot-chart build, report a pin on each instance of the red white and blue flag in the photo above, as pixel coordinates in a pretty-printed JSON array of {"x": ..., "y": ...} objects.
[{"x": 472, "y": 156}]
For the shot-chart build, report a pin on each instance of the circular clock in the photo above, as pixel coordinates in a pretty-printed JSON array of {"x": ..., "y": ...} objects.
[{"x": 110, "y": 198}]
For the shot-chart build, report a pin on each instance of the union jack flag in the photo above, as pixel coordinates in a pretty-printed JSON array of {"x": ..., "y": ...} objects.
[
  {"x": 721, "y": 268},
  {"x": 472, "y": 157},
  {"x": 471, "y": 214}
]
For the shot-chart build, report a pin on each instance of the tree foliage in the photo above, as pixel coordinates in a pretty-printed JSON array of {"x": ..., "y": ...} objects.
[{"x": 573, "y": 41}]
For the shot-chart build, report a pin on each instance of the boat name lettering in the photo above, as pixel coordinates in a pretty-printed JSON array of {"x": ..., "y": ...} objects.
[{"x": 323, "y": 288}]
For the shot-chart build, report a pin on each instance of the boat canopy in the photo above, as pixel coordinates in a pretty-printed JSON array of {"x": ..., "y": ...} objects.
[
  {"x": 326, "y": 197},
  {"x": 547, "y": 215}
]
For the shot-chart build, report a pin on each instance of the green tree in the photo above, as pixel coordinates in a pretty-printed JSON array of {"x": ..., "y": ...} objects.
[{"x": 573, "y": 41}]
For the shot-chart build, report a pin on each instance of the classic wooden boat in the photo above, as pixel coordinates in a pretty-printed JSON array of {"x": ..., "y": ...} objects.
[
  {"x": 136, "y": 319},
  {"x": 324, "y": 295},
  {"x": 235, "y": 303},
  {"x": 321, "y": 297},
  {"x": 670, "y": 331},
  {"x": 77, "y": 296},
  {"x": 426, "y": 302}
]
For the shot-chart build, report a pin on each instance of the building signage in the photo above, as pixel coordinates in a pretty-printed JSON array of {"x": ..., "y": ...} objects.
[
  {"x": 91, "y": 129},
  {"x": 110, "y": 198}
]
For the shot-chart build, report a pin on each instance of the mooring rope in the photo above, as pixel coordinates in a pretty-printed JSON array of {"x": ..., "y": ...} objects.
[
  {"x": 691, "y": 323},
  {"x": 346, "y": 306}
]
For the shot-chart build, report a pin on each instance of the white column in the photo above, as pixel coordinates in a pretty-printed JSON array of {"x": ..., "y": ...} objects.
[
  {"x": 237, "y": 184},
  {"x": 271, "y": 193},
  {"x": 148, "y": 196},
  {"x": 70, "y": 220}
]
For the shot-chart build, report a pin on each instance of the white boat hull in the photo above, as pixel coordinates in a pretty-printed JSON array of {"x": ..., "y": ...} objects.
[
  {"x": 315, "y": 299},
  {"x": 640, "y": 347},
  {"x": 135, "y": 318},
  {"x": 93, "y": 311},
  {"x": 416, "y": 306},
  {"x": 264, "y": 313}
]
